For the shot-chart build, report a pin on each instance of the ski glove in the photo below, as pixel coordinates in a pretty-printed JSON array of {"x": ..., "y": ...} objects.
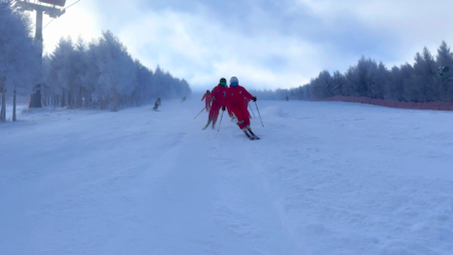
[
  {"x": 223, "y": 108},
  {"x": 254, "y": 99}
]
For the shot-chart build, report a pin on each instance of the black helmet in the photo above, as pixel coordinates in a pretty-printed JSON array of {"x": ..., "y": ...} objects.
[{"x": 223, "y": 82}]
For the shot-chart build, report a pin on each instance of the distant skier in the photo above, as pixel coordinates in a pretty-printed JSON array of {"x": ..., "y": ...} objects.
[
  {"x": 157, "y": 104},
  {"x": 236, "y": 100},
  {"x": 207, "y": 97},
  {"x": 218, "y": 96}
]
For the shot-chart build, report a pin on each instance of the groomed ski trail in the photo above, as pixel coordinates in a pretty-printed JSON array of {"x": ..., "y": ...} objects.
[{"x": 326, "y": 178}]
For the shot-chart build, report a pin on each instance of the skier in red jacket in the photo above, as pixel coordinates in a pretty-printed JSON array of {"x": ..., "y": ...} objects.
[
  {"x": 207, "y": 97},
  {"x": 218, "y": 96},
  {"x": 236, "y": 101}
]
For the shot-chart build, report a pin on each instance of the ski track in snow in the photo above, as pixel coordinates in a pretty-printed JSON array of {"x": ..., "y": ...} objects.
[{"x": 326, "y": 178}]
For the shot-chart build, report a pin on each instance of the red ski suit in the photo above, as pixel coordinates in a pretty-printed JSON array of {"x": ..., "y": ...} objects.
[
  {"x": 218, "y": 97},
  {"x": 207, "y": 97},
  {"x": 236, "y": 100}
]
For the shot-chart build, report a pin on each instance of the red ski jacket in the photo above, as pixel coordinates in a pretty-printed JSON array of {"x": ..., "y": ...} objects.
[
  {"x": 207, "y": 96},
  {"x": 237, "y": 97},
  {"x": 218, "y": 96}
]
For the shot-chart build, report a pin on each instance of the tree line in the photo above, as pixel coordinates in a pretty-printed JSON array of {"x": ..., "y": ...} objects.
[
  {"x": 429, "y": 79},
  {"x": 97, "y": 74},
  {"x": 420, "y": 82},
  {"x": 102, "y": 73}
]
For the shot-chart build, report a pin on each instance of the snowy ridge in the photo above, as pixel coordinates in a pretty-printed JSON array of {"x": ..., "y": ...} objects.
[{"x": 326, "y": 178}]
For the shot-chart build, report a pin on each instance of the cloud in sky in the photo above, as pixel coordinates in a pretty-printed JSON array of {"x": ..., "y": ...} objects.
[{"x": 268, "y": 44}]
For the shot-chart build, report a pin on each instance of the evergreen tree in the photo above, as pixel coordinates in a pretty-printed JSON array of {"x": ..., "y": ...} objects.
[
  {"x": 445, "y": 59},
  {"x": 19, "y": 57},
  {"x": 61, "y": 74},
  {"x": 322, "y": 85}
]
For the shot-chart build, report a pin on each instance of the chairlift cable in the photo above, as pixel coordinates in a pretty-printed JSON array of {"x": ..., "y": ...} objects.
[
  {"x": 71, "y": 4},
  {"x": 48, "y": 23},
  {"x": 63, "y": 9}
]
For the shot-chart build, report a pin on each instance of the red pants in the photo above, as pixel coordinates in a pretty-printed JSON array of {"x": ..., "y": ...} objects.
[
  {"x": 242, "y": 116},
  {"x": 214, "y": 111},
  {"x": 208, "y": 105}
]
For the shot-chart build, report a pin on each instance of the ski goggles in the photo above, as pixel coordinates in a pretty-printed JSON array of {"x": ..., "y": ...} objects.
[{"x": 223, "y": 83}]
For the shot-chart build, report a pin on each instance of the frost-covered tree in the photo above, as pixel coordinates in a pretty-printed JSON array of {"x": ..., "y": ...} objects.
[
  {"x": 143, "y": 81},
  {"x": 422, "y": 86},
  {"x": 61, "y": 74},
  {"x": 444, "y": 55},
  {"x": 377, "y": 78},
  {"x": 445, "y": 58},
  {"x": 79, "y": 89},
  {"x": 184, "y": 88},
  {"x": 91, "y": 76},
  {"x": 19, "y": 58},
  {"x": 159, "y": 82},
  {"x": 104, "y": 74},
  {"x": 322, "y": 85},
  {"x": 362, "y": 78},
  {"x": 117, "y": 72},
  {"x": 394, "y": 88},
  {"x": 338, "y": 83}
]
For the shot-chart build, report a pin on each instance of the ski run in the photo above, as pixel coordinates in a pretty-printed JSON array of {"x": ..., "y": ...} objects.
[{"x": 326, "y": 178}]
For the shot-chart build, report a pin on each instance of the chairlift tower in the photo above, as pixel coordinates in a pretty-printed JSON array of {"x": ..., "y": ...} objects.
[{"x": 51, "y": 8}]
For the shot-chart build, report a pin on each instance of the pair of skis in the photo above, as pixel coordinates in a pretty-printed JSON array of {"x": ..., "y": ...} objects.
[
  {"x": 248, "y": 132},
  {"x": 207, "y": 125}
]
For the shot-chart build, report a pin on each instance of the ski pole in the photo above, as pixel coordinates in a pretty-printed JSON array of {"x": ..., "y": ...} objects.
[
  {"x": 252, "y": 111},
  {"x": 200, "y": 112},
  {"x": 259, "y": 114},
  {"x": 221, "y": 117}
]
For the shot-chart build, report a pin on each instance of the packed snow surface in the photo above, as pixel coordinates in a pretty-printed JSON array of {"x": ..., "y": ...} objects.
[{"x": 326, "y": 178}]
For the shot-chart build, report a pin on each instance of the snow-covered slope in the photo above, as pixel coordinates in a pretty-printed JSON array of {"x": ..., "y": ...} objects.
[{"x": 326, "y": 178}]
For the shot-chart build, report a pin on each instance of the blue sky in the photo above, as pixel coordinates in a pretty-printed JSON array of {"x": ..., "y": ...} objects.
[{"x": 268, "y": 44}]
